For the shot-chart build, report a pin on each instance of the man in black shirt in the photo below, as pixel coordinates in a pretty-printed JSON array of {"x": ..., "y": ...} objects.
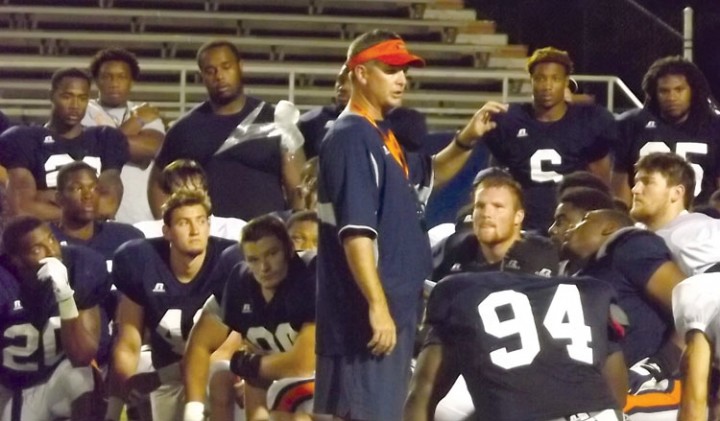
[
  {"x": 252, "y": 157},
  {"x": 677, "y": 117}
]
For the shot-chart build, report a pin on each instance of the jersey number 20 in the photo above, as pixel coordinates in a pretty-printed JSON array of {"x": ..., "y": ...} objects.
[
  {"x": 12, "y": 355},
  {"x": 564, "y": 320}
]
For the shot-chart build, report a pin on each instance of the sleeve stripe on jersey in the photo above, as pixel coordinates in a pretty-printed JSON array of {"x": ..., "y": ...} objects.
[{"x": 361, "y": 228}]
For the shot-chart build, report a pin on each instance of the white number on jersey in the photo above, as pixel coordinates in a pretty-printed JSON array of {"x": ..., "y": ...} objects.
[
  {"x": 55, "y": 162},
  {"x": 564, "y": 320},
  {"x": 32, "y": 337},
  {"x": 537, "y": 174},
  {"x": 682, "y": 149},
  {"x": 170, "y": 329},
  {"x": 281, "y": 341}
]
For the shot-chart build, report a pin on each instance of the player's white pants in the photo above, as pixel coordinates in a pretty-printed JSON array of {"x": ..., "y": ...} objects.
[
  {"x": 52, "y": 399},
  {"x": 168, "y": 401},
  {"x": 457, "y": 404}
]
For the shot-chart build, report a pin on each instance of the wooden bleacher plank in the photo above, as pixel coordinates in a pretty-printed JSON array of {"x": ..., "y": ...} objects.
[{"x": 275, "y": 47}]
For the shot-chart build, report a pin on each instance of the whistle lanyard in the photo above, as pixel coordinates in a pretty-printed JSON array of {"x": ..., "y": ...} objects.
[{"x": 391, "y": 142}]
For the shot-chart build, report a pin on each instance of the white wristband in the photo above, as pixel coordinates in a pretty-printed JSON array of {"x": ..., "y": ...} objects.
[
  {"x": 68, "y": 309},
  {"x": 114, "y": 408},
  {"x": 194, "y": 411}
]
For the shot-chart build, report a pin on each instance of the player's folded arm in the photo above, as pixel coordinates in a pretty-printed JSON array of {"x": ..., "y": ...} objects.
[
  {"x": 695, "y": 367},
  {"x": 129, "y": 320},
  {"x": 81, "y": 336}
]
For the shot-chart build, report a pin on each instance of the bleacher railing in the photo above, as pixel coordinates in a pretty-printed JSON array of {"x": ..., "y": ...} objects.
[{"x": 510, "y": 80}]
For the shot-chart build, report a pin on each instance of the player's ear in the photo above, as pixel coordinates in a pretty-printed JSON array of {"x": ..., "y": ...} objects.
[
  {"x": 166, "y": 232},
  {"x": 677, "y": 193},
  {"x": 519, "y": 216}
]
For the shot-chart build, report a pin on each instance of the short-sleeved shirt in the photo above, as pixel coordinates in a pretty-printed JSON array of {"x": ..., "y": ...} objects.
[
  {"x": 245, "y": 180},
  {"x": 627, "y": 261},
  {"x": 141, "y": 271},
  {"x": 696, "y": 306},
  {"x": 642, "y": 133},
  {"x": 44, "y": 153},
  {"x": 315, "y": 124},
  {"x": 272, "y": 326},
  {"x": 529, "y": 347},
  {"x": 530, "y": 254},
  {"x": 134, "y": 206},
  {"x": 538, "y": 153},
  {"x": 693, "y": 240},
  {"x": 30, "y": 322},
  {"x": 362, "y": 188}
]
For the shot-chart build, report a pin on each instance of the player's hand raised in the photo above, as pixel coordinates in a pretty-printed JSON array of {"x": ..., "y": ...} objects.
[
  {"x": 481, "y": 122},
  {"x": 384, "y": 331},
  {"x": 54, "y": 271}
]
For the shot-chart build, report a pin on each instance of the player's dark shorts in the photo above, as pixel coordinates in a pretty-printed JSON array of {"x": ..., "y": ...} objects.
[{"x": 364, "y": 387}]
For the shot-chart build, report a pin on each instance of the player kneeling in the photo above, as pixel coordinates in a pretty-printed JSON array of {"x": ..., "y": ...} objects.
[
  {"x": 270, "y": 300},
  {"x": 50, "y": 325}
]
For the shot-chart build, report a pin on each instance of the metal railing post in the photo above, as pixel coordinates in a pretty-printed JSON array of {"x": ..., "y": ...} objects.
[
  {"x": 688, "y": 33},
  {"x": 610, "y": 96},
  {"x": 183, "y": 90},
  {"x": 291, "y": 86}
]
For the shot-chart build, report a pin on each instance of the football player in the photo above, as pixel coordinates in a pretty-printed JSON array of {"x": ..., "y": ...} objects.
[
  {"x": 662, "y": 195},
  {"x": 676, "y": 117},
  {"x": 164, "y": 283},
  {"x": 50, "y": 324},
  {"x": 270, "y": 300},
  {"x": 529, "y": 347},
  {"x": 497, "y": 241},
  {"x": 640, "y": 267},
  {"x": 696, "y": 302},
  {"x": 33, "y": 155},
  {"x": 541, "y": 141}
]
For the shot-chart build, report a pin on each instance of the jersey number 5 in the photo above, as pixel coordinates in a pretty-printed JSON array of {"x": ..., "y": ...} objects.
[{"x": 564, "y": 320}]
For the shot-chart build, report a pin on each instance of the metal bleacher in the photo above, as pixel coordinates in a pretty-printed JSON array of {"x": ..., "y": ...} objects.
[{"x": 292, "y": 49}]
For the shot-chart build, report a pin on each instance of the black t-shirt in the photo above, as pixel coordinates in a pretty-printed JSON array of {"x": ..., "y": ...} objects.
[
  {"x": 314, "y": 125},
  {"x": 106, "y": 240},
  {"x": 529, "y": 347},
  {"x": 29, "y": 319},
  {"x": 642, "y": 133},
  {"x": 141, "y": 271},
  {"x": 274, "y": 325},
  {"x": 538, "y": 153},
  {"x": 43, "y": 153},
  {"x": 246, "y": 179},
  {"x": 627, "y": 262}
]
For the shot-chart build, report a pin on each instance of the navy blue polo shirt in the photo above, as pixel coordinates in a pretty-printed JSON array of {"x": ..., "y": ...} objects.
[{"x": 363, "y": 189}]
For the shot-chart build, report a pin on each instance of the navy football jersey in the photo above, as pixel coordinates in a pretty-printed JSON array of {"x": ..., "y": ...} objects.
[
  {"x": 642, "y": 133},
  {"x": 30, "y": 322},
  {"x": 141, "y": 271},
  {"x": 106, "y": 240},
  {"x": 43, "y": 153},
  {"x": 627, "y": 262},
  {"x": 274, "y": 325},
  {"x": 529, "y": 347},
  {"x": 537, "y": 153},
  {"x": 255, "y": 187},
  {"x": 461, "y": 253}
]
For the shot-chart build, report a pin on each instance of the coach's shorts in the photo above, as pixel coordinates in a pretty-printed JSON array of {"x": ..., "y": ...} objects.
[
  {"x": 49, "y": 400},
  {"x": 365, "y": 387}
]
